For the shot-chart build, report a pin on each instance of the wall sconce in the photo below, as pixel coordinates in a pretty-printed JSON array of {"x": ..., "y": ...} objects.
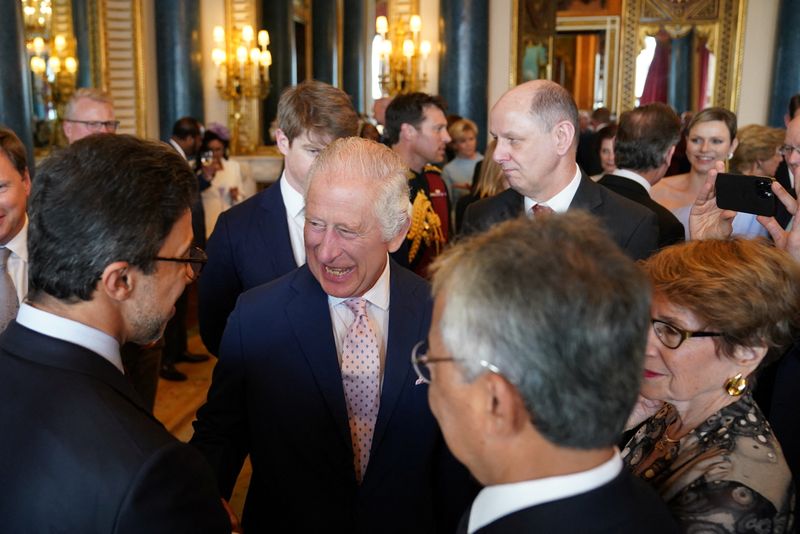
[
  {"x": 54, "y": 67},
  {"x": 242, "y": 65},
  {"x": 403, "y": 57}
]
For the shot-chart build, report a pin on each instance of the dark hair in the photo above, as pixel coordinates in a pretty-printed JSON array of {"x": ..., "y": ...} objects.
[
  {"x": 12, "y": 147},
  {"x": 606, "y": 132},
  {"x": 794, "y": 105},
  {"x": 209, "y": 136},
  {"x": 103, "y": 199},
  {"x": 408, "y": 109},
  {"x": 186, "y": 127},
  {"x": 601, "y": 115},
  {"x": 645, "y": 135},
  {"x": 575, "y": 352},
  {"x": 317, "y": 108}
]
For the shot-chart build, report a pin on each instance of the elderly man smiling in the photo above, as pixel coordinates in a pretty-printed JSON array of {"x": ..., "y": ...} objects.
[{"x": 314, "y": 380}]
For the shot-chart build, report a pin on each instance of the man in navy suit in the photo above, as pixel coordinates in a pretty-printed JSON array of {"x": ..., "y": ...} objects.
[
  {"x": 261, "y": 239},
  {"x": 535, "y": 356},
  {"x": 643, "y": 149},
  {"x": 110, "y": 251},
  {"x": 282, "y": 389},
  {"x": 535, "y": 125}
]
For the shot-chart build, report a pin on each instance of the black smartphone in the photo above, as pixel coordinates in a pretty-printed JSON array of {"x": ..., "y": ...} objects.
[{"x": 745, "y": 193}]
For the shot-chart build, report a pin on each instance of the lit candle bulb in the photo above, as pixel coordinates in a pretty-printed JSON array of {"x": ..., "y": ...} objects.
[
  {"x": 60, "y": 43},
  {"x": 408, "y": 48},
  {"x": 219, "y": 35},
  {"x": 55, "y": 65},
  {"x": 38, "y": 46},
  {"x": 247, "y": 34},
  {"x": 415, "y": 24},
  {"x": 241, "y": 55},
  {"x": 71, "y": 65},
  {"x": 263, "y": 38},
  {"x": 381, "y": 25},
  {"x": 218, "y": 56}
]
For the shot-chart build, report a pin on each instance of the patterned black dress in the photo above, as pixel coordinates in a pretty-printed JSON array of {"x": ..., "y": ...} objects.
[{"x": 726, "y": 475}]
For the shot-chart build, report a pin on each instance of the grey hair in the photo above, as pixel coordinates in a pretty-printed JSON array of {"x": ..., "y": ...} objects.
[
  {"x": 551, "y": 104},
  {"x": 90, "y": 93},
  {"x": 561, "y": 311},
  {"x": 362, "y": 159}
]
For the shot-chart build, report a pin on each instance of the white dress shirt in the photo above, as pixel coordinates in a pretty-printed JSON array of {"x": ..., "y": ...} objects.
[
  {"x": 638, "y": 178},
  {"x": 71, "y": 331},
  {"x": 177, "y": 147},
  {"x": 377, "y": 298},
  {"x": 561, "y": 201},
  {"x": 494, "y": 502},
  {"x": 295, "y": 217},
  {"x": 18, "y": 261}
]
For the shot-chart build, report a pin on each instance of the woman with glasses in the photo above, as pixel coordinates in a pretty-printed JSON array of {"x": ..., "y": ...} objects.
[{"x": 719, "y": 309}]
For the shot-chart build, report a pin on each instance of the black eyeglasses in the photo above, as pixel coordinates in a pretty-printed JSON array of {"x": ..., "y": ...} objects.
[
  {"x": 196, "y": 260},
  {"x": 672, "y": 337},
  {"x": 96, "y": 126},
  {"x": 420, "y": 360},
  {"x": 787, "y": 150}
]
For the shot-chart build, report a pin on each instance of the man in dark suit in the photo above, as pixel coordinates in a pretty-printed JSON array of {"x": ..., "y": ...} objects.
[
  {"x": 109, "y": 253},
  {"x": 314, "y": 379},
  {"x": 261, "y": 239},
  {"x": 535, "y": 125},
  {"x": 645, "y": 142},
  {"x": 534, "y": 417}
]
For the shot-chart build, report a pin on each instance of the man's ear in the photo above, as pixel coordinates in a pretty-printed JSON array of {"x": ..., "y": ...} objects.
[
  {"x": 564, "y": 133},
  {"x": 282, "y": 141},
  {"x": 397, "y": 240},
  {"x": 117, "y": 280},
  {"x": 408, "y": 132},
  {"x": 507, "y": 412}
]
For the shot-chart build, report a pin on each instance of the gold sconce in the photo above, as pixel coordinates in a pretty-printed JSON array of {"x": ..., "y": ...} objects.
[
  {"x": 242, "y": 64},
  {"x": 403, "y": 58},
  {"x": 54, "y": 68}
]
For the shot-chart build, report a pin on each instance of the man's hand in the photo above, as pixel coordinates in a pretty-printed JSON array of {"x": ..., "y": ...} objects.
[
  {"x": 235, "y": 525},
  {"x": 706, "y": 220},
  {"x": 785, "y": 240}
]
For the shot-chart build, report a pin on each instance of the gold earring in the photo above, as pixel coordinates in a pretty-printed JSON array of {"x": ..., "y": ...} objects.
[{"x": 736, "y": 385}]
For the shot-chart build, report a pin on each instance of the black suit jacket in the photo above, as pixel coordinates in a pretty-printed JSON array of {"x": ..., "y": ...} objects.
[
  {"x": 623, "y": 506},
  {"x": 79, "y": 452},
  {"x": 670, "y": 229},
  {"x": 632, "y": 226},
  {"x": 249, "y": 246},
  {"x": 277, "y": 394}
]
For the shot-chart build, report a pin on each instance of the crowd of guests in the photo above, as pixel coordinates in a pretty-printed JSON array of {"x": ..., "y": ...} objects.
[{"x": 403, "y": 348}]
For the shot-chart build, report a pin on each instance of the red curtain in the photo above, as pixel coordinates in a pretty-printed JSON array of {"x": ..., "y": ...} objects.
[
  {"x": 655, "y": 85},
  {"x": 702, "y": 67}
]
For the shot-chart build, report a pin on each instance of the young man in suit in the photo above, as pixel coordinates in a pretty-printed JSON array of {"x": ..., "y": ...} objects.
[
  {"x": 314, "y": 379},
  {"x": 261, "y": 239},
  {"x": 533, "y": 373},
  {"x": 110, "y": 251},
  {"x": 643, "y": 148},
  {"x": 535, "y": 126}
]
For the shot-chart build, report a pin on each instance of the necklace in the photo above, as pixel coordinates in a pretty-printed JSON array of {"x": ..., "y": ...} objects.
[{"x": 666, "y": 442}]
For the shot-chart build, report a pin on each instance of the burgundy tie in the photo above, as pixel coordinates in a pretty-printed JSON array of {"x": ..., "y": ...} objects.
[{"x": 539, "y": 210}]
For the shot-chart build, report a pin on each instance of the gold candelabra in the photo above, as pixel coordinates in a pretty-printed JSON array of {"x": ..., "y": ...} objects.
[
  {"x": 403, "y": 57},
  {"x": 242, "y": 65}
]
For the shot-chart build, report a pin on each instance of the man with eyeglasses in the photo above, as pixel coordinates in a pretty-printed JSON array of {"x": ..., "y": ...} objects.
[
  {"x": 534, "y": 362},
  {"x": 89, "y": 111},
  {"x": 313, "y": 379},
  {"x": 110, "y": 243}
]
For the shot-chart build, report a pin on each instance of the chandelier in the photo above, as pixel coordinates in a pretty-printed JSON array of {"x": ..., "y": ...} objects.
[
  {"x": 242, "y": 68},
  {"x": 403, "y": 58}
]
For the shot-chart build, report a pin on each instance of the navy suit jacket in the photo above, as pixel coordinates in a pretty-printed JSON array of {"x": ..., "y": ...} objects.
[
  {"x": 626, "y": 505},
  {"x": 670, "y": 229},
  {"x": 80, "y": 453},
  {"x": 632, "y": 226},
  {"x": 277, "y": 394},
  {"x": 250, "y": 246}
]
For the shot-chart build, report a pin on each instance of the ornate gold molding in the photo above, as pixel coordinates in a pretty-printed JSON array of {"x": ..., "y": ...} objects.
[{"x": 721, "y": 22}]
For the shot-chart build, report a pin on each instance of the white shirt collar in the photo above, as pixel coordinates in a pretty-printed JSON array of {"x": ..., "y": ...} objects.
[
  {"x": 630, "y": 175},
  {"x": 292, "y": 198},
  {"x": 494, "y": 502},
  {"x": 18, "y": 244},
  {"x": 377, "y": 295},
  {"x": 177, "y": 147},
  {"x": 71, "y": 331},
  {"x": 561, "y": 201}
]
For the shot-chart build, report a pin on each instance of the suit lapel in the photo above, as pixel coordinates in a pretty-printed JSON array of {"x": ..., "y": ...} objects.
[
  {"x": 274, "y": 229},
  {"x": 403, "y": 332},
  {"x": 310, "y": 319},
  {"x": 587, "y": 196}
]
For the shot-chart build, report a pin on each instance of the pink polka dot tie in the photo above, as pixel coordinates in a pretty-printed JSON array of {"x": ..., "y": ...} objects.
[{"x": 361, "y": 364}]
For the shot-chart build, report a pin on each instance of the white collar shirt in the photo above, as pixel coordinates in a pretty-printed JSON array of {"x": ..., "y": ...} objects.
[
  {"x": 18, "y": 261},
  {"x": 295, "y": 206},
  {"x": 560, "y": 202},
  {"x": 377, "y": 298},
  {"x": 52, "y": 325},
  {"x": 630, "y": 175},
  {"x": 494, "y": 502},
  {"x": 177, "y": 147}
]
